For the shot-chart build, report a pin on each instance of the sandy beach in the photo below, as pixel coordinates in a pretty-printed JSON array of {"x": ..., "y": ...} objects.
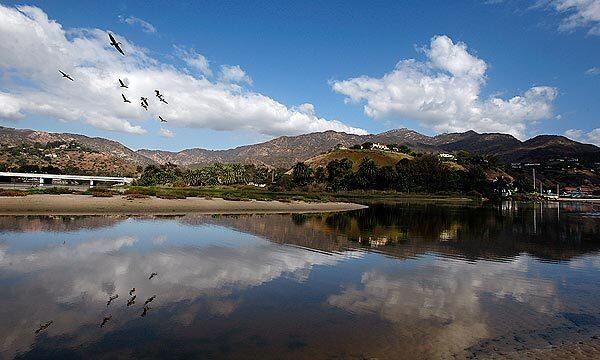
[{"x": 88, "y": 205}]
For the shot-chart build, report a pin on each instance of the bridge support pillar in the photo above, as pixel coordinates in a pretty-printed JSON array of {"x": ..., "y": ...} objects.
[{"x": 45, "y": 181}]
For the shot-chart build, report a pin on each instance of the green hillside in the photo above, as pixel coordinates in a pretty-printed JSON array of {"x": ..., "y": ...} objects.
[{"x": 381, "y": 158}]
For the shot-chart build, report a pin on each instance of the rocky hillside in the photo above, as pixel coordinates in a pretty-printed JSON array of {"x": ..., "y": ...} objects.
[
  {"x": 109, "y": 148},
  {"x": 279, "y": 152},
  {"x": 286, "y": 150}
]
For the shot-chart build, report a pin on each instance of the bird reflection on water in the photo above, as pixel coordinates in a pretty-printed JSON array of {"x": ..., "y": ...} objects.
[{"x": 460, "y": 277}]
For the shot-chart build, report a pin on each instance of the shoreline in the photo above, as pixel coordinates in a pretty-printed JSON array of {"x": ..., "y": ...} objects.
[{"x": 89, "y": 205}]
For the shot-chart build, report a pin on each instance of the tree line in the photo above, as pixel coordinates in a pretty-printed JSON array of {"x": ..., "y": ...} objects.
[
  {"x": 426, "y": 173},
  {"x": 214, "y": 174}
]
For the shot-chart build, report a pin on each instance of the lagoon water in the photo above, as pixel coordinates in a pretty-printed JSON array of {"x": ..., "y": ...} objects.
[{"x": 392, "y": 281}]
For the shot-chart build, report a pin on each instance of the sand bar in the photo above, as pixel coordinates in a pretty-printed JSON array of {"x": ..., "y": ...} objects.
[{"x": 88, "y": 205}]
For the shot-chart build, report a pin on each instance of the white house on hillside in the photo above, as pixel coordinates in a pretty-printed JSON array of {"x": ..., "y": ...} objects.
[
  {"x": 445, "y": 156},
  {"x": 378, "y": 146}
]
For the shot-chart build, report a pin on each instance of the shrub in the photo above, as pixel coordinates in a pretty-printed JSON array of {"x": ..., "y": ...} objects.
[
  {"x": 51, "y": 190},
  {"x": 101, "y": 192},
  {"x": 6, "y": 192},
  {"x": 136, "y": 196}
]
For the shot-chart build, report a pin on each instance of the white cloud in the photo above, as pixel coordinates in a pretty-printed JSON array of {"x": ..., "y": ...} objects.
[
  {"x": 205, "y": 271},
  {"x": 443, "y": 94},
  {"x": 591, "y": 137},
  {"x": 194, "y": 60},
  {"x": 306, "y": 108},
  {"x": 448, "y": 312},
  {"x": 593, "y": 71},
  {"x": 10, "y": 108},
  {"x": 234, "y": 74},
  {"x": 146, "y": 26},
  {"x": 30, "y": 68},
  {"x": 579, "y": 14},
  {"x": 165, "y": 133}
]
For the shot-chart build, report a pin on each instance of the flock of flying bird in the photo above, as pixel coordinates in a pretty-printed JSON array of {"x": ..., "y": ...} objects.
[
  {"x": 143, "y": 100},
  {"x": 130, "y": 302},
  {"x": 144, "y": 103}
]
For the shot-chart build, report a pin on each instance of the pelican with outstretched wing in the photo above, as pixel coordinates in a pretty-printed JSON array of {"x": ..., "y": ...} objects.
[
  {"x": 115, "y": 43},
  {"x": 66, "y": 75}
]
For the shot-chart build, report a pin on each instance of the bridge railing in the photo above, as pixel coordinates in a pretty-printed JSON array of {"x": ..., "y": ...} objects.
[{"x": 91, "y": 179}]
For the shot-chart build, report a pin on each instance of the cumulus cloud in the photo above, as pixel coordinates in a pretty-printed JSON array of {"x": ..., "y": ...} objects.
[
  {"x": 578, "y": 14},
  {"x": 10, "y": 108},
  {"x": 448, "y": 312},
  {"x": 165, "y": 133},
  {"x": 591, "y": 137},
  {"x": 146, "y": 26},
  {"x": 234, "y": 74},
  {"x": 194, "y": 60},
  {"x": 443, "y": 94},
  {"x": 31, "y": 65},
  {"x": 99, "y": 267}
]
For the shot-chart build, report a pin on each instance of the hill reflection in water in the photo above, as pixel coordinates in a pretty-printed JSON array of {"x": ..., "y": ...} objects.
[{"x": 391, "y": 281}]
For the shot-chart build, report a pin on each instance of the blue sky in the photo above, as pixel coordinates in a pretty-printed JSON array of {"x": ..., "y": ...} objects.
[{"x": 341, "y": 57}]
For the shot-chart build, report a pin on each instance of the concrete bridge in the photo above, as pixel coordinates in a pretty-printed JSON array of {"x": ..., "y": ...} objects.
[{"x": 47, "y": 178}]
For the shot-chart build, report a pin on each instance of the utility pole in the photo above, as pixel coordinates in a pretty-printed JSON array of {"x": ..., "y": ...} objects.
[{"x": 533, "y": 178}]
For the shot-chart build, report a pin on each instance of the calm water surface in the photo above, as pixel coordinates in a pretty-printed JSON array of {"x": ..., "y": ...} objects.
[{"x": 391, "y": 281}]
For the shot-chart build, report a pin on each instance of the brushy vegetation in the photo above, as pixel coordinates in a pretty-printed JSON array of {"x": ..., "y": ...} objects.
[
  {"x": 421, "y": 174},
  {"x": 10, "y": 192},
  {"x": 100, "y": 192},
  {"x": 55, "y": 190},
  {"x": 418, "y": 175}
]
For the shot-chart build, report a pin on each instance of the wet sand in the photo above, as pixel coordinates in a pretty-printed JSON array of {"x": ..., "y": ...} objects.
[{"x": 88, "y": 205}]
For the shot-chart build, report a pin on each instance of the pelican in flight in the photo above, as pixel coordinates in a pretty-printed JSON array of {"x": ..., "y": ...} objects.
[
  {"x": 125, "y": 99},
  {"x": 44, "y": 326},
  {"x": 115, "y": 43},
  {"x": 150, "y": 299},
  {"x": 110, "y": 299},
  {"x": 131, "y": 301},
  {"x": 160, "y": 96},
  {"x": 153, "y": 274},
  {"x": 105, "y": 320},
  {"x": 146, "y": 308},
  {"x": 122, "y": 84},
  {"x": 161, "y": 120},
  {"x": 131, "y": 291},
  {"x": 66, "y": 75}
]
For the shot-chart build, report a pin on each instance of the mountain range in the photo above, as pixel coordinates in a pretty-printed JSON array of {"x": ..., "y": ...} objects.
[{"x": 284, "y": 151}]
